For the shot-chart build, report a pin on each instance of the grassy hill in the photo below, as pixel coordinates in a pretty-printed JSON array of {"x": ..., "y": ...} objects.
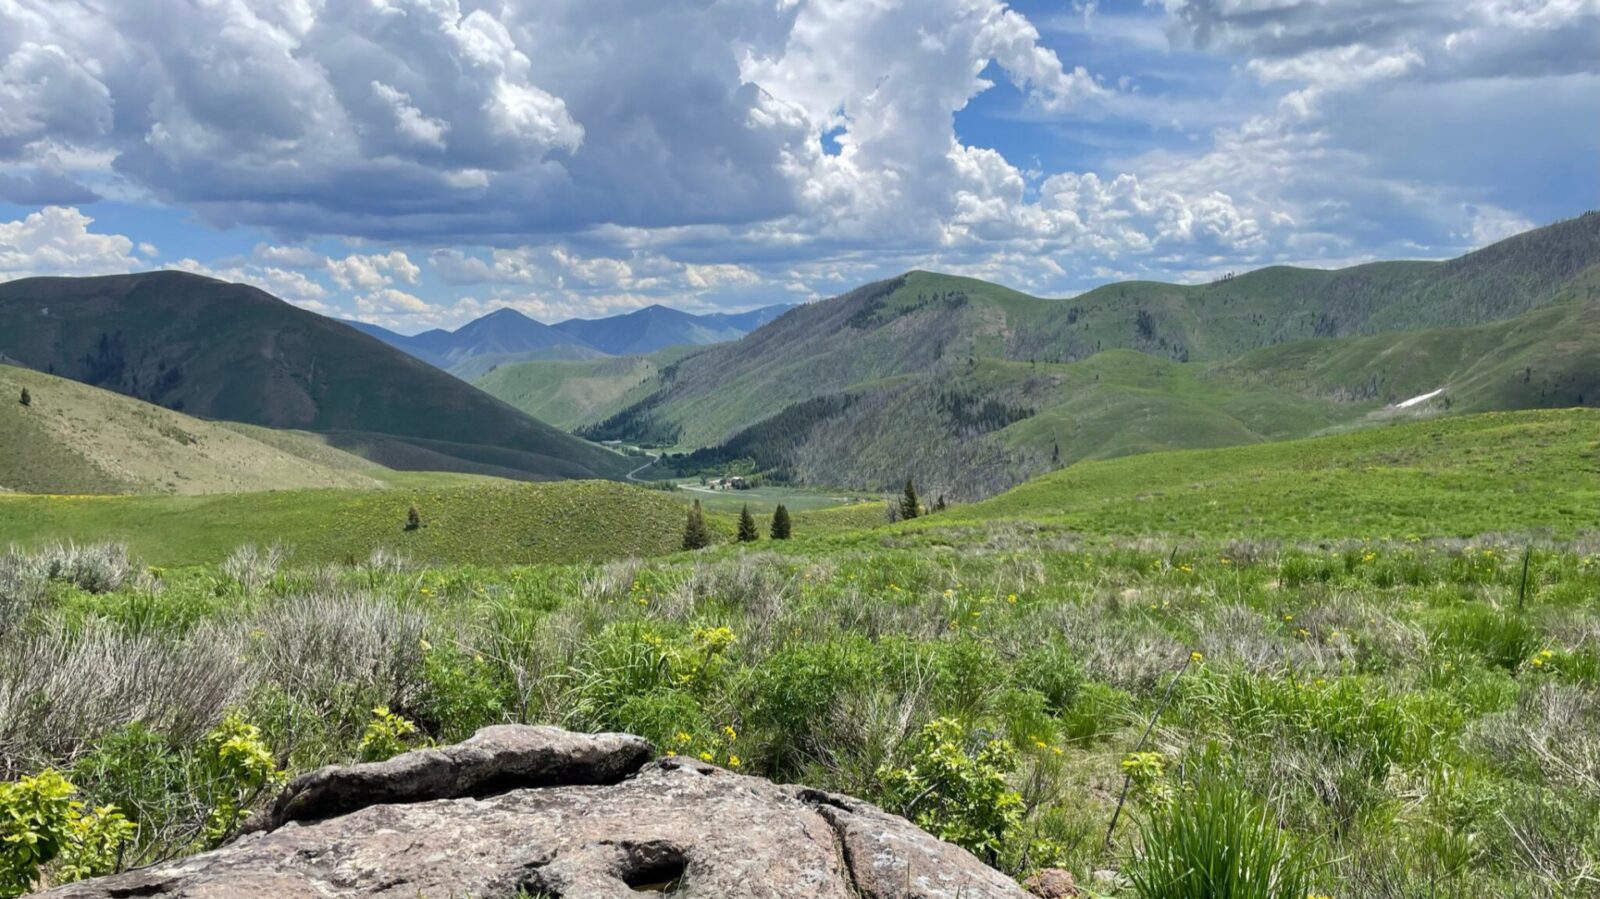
[
  {"x": 73, "y": 438},
  {"x": 229, "y": 351},
  {"x": 489, "y": 524},
  {"x": 972, "y": 387},
  {"x": 1535, "y": 471},
  {"x": 568, "y": 394}
]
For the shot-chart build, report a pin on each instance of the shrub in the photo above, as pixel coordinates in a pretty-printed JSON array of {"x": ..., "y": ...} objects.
[
  {"x": 23, "y": 581},
  {"x": 40, "y": 823},
  {"x": 955, "y": 788},
  {"x": 252, "y": 567},
  {"x": 26, "y": 398},
  {"x": 386, "y": 736},
  {"x": 461, "y": 692},
  {"x": 98, "y": 569},
  {"x": 241, "y": 769},
  {"x": 1217, "y": 842}
]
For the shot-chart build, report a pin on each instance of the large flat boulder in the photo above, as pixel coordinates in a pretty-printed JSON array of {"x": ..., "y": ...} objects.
[{"x": 543, "y": 812}]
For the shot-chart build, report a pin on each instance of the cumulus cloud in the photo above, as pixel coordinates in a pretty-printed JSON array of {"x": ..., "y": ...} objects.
[
  {"x": 57, "y": 241},
  {"x": 282, "y": 283},
  {"x": 371, "y": 271},
  {"x": 597, "y": 154}
]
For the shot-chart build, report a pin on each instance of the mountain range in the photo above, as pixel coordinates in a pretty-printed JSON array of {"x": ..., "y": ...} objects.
[
  {"x": 972, "y": 387},
  {"x": 506, "y": 336},
  {"x": 967, "y": 387}
]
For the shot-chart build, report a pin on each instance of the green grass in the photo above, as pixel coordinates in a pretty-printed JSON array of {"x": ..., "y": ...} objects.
[
  {"x": 73, "y": 438},
  {"x": 1380, "y": 718},
  {"x": 1496, "y": 472},
  {"x": 500, "y": 523},
  {"x": 762, "y": 500},
  {"x": 570, "y": 393}
]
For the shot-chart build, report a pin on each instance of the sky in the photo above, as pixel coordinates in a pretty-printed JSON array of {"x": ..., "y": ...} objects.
[{"x": 418, "y": 163}]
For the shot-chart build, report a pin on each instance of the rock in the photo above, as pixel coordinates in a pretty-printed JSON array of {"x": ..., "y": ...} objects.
[
  {"x": 544, "y": 812},
  {"x": 1051, "y": 883},
  {"x": 493, "y": 760}
]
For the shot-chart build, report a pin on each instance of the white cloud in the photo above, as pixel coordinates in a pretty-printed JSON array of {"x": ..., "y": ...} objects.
[
  {"x": 56, "y": 240},
  {"x": 368, "y": 272},
  {"x": 292, "y": 286}
]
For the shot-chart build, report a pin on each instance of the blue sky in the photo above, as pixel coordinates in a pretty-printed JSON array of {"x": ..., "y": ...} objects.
[{"x": 418, "y": 163}]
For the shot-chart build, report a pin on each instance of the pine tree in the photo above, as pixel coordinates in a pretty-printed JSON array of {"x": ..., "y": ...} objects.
[
  {"x": 1055, "y": 453},
  {"x": 781, "y": 527},
  {"x": 909, "y": 507},
  {"x": 27, "y": 398},
  {"x": 413, "y": 518},
  {"x": 747, "y": 526},
  {"x": 695, "y": 535}
]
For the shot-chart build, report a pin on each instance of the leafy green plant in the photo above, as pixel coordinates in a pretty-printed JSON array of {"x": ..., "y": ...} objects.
[
  {"x": 956, "y": 790},
  {"x": 41, "y": 824},
  {"x": 387, "y": 735},
  {"x": 1217, "y": 842},
  {"x": 241, "y": 769}
]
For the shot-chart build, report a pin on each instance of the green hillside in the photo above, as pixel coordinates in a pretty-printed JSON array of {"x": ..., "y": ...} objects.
[
  {"x": 229, "y": 351},
  {"x": 570, "y": 393},
  {"x": 494, "y": 523},
  {"x": 1548, "y": 357},
  {"x": 72, "y": 438},
  {"x": 972, "y": 387},
  {"x": 1536, "y": 471}
]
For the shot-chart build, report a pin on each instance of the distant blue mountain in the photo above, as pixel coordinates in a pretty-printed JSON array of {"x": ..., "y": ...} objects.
[{"x": 507, "y": 336}]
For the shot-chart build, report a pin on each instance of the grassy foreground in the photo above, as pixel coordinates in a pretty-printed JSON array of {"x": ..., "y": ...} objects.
[{"x": 1367, "y": 719}]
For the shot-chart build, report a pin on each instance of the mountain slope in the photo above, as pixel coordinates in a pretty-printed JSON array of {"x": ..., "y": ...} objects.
[
  {"x": 77, "y": 439},
  {"x": 973, "y": 386},
  {"x": 230, "y": 351},
  {"x": 569, "y": 393}
]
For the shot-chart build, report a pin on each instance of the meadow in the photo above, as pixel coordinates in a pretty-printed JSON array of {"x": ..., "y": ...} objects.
[
  {"x": 1366, "y": 665},
  {"x": 1415, "y": 718}
]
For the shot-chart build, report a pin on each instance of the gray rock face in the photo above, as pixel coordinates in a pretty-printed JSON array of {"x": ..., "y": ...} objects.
[{"x": 542, "y": 811}]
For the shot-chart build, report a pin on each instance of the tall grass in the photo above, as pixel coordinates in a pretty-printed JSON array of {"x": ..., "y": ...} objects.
[{"x": 1217, "y": 842}]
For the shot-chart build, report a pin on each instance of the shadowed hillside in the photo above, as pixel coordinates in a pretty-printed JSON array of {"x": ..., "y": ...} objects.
[{"x": 229, "y": 351}]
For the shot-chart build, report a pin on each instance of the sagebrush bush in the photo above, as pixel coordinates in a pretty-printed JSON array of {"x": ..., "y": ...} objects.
[
  {"x": 253, "y": 567},
  {"x": 61, "y": 689},
  {"x": 99, "y": 568}
]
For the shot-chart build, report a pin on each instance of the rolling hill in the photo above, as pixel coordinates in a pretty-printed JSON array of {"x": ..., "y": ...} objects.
[
  {"x": 232, "y": 352},
  {"x": 972, "y": 387},
  {"x": 568, "y": 394},
  {"x": 1462, "y": 476},
  {"x": 76, "y": 439}
]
